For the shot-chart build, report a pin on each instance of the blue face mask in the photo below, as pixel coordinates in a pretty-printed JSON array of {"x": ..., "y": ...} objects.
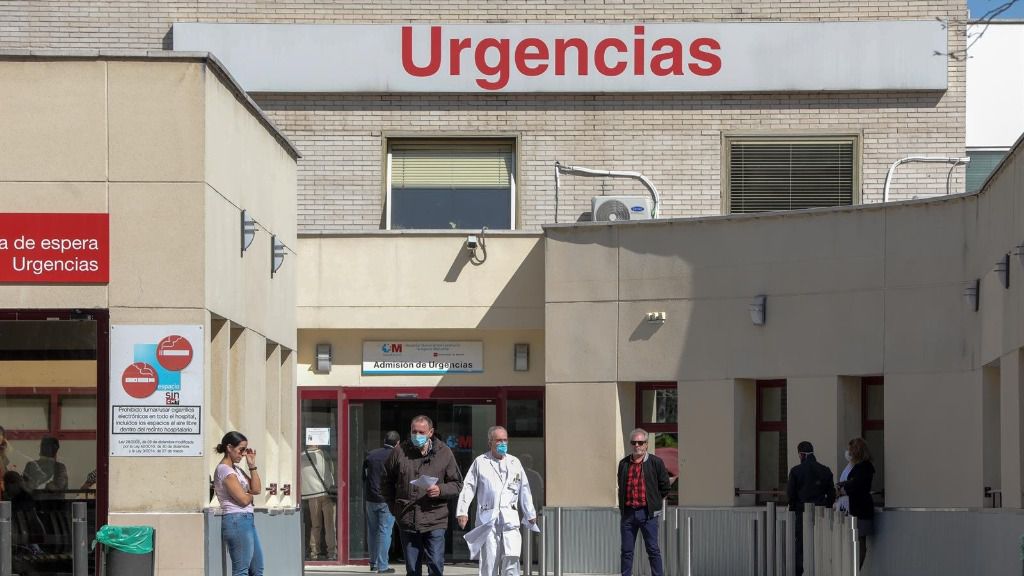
[
  {"x": 419, "y": 440},
  {"x": 502, "y": 448}
]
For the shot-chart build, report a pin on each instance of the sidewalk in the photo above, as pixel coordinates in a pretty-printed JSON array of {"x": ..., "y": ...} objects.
[{"x": 449, "y": 569}]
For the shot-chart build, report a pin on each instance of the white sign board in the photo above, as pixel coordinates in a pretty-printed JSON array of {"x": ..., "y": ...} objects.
[
  {"x": 156, "y": 390},
  {"x": 318, "y": 436},
  {"x": 577, "y": 58},
  {"x": 382, "y": 358}
]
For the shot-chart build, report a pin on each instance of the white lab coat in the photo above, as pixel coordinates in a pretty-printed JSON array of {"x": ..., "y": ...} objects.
[{"x": 498, "y": 503}]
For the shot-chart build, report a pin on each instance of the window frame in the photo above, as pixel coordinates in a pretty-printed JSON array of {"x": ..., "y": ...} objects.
[
  {"x": 762, "y": 425},
  {"x": 784, "y": 137},
  {"x": 654, "y": 427},
  {"x": 513, "y": 139},
  {"x": 54, "y": 429}
]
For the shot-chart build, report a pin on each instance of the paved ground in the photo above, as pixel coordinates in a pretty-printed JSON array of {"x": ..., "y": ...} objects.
[{"x": 452, "y": 570}]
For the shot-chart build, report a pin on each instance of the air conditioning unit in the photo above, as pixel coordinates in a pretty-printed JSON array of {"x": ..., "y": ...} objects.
[{"x": 619, "y": 208}]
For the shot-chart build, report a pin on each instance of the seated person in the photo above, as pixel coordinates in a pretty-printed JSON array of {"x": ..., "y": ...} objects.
[{"x": 46, "y": 473}]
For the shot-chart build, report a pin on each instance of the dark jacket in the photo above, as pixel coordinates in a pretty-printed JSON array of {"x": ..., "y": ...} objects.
[
  {"x": 656, "y": 482},
  {"x": 810, "y": 483},
  {"x": 373, "y": 469},
  {"x": 858, "y": 488},
  {"x": 413, "y": 509}
]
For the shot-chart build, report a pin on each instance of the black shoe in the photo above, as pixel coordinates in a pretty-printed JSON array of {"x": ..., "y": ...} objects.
[
  {"x": 373, "y": 568},
  {"x": 388, "y": 571}
]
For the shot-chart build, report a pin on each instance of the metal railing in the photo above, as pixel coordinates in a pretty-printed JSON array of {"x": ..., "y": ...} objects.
[{"x": 756, "y": 541}]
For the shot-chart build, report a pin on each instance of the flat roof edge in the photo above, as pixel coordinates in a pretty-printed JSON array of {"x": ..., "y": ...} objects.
[{"x": 207, "y": 58}]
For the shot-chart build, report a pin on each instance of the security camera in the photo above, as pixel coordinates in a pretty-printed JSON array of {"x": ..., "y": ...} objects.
[{"x": 471, "y": 242}]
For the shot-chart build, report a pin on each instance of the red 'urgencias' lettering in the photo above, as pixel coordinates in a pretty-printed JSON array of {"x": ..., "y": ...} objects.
[{"x": 494, "y": 58}]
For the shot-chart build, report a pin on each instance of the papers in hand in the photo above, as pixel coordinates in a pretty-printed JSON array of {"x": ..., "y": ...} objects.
[
  {"x": 424, "y": 482},
  {"x": 476, "y": 538}
]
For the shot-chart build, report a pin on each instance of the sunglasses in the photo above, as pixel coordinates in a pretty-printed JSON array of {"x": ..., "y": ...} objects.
[{"x": 638, "y": 442}]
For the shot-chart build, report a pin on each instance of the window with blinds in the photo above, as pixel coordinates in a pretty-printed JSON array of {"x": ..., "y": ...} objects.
[
  {"x": 451, "y": 184},
  {"x": 766, "y": 175}
]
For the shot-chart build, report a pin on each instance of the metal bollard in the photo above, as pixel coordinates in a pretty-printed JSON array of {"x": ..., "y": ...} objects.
[
  {"x": 853, "y": 542},
  {"x": 808, "y": 551},
  {"x": 558, "y": 541},
  {"x": 760, "y": 539},
  {"x": 79, "y": 539},
  {"x": 847, "y": 549},
  {"x": 527, "y": 551},
  {"x": 689, "y": 545},
  {"x": 543, "y": 551},
  {"x": 6, "y": 548},
  {"x": 753, "y": 545},
  {"x": 791, "y": 519},
  {"x": 827, "y": 544},
  {"x": 780, "y": 546},
  {"x": 769, "y": 539}
]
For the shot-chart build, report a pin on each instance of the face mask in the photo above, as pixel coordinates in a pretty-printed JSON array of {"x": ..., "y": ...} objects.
[
  {"x": 849, "y": 458},
  {"x": 419, "y": 440},
  {"x": 502, "y": 448}
]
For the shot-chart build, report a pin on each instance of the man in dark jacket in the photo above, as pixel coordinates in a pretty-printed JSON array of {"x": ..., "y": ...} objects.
[
  {"x": 378, "y": 517},
  {"x": 809, "y": 483},
  {"x": 643, "y": 485},
  {"x": 421, "y": 509}
]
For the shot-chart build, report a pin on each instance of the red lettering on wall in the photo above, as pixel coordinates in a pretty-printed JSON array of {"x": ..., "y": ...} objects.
[
  {"x": 600, "y": 60},
  {"x": 538, "y": 50},
  {"x": 561, "y": 45},
  {"x": 435, "y": 53},
  {"x": 500, "y": 69},
  {"x": 714, "y": 63}
]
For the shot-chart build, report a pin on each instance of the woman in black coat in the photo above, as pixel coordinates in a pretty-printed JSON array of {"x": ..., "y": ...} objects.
[{"x": 858, "y": 488}]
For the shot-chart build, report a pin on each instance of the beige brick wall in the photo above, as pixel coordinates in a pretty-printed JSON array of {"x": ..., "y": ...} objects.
[{"x": 675, "y": 139}]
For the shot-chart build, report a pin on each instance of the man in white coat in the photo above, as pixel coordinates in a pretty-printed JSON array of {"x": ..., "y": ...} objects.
[{"x": 498, "y": 482}]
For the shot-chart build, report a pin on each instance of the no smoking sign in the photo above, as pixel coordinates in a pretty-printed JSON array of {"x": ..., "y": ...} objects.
[
  {"x": 139, "y": 380},
  {"x": 174, "y": 353}
]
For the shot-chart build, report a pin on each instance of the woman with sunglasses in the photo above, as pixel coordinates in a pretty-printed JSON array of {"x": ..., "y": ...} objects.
[{"x": 236, "y": 491}]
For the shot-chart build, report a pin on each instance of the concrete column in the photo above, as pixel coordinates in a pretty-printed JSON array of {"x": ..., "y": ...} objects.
[
  {"x": 929, "y": 417},
  {"x": 287, "y": 429},
  {"x": 812, "y": 406},
  {"x": 716, "y": 422},
  {"x": 1012, "y": 428},
  {"x": 583, "y": 431},
  {"x": 219, "y": 349},
  {"x": 271, "y": 456}
]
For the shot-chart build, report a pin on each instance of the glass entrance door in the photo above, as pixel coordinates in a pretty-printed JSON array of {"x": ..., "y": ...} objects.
[
  {"x": 461, "y": 424},
  {"x": 50, "y": 365},
  {"x": 319, "y": 474}
]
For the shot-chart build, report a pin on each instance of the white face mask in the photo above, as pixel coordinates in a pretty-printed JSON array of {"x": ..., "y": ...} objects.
[{"x": 849, "y": 458}]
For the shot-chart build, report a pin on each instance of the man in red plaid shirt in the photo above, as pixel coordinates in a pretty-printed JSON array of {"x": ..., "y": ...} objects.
[{"x": 643, "y": 484}]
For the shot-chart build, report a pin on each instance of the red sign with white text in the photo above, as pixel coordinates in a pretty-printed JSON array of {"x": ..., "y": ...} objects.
[{"x": 54, "y": 248}]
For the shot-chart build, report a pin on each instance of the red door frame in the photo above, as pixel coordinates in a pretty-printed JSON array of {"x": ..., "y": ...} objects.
[
  {"x": 761, "y": 425},
  {"x": 499, "y": 396},
  {"x": 102, "y": 319}
]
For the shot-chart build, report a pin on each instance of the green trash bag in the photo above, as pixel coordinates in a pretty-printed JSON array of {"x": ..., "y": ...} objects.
[{"x": 130, "y": 539}]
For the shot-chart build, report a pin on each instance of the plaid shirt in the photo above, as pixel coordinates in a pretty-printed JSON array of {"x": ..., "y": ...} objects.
[{"x": 636, "y": 487}]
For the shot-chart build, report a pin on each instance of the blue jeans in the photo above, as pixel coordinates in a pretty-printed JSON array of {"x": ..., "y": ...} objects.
[
  {"x": 378, "y": 533},
  {"x": 239, "y": 534},
  {"x": 420, "y": 544},
  {"x": 634, "y": 520}
]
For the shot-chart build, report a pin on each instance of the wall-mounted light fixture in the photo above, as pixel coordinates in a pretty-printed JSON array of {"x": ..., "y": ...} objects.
[
  {"x": 277, "y": 251},
  {"x": 1003, "y": 270},
  {"x": 972, "y": 295},
  {"x": 248, "y": 230},
  {"x": 323, "y": 358},
  {"x": 656, "y": 317},
  {"x": 521, "y": 361},
  {"x": 759, "y": 310}
]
